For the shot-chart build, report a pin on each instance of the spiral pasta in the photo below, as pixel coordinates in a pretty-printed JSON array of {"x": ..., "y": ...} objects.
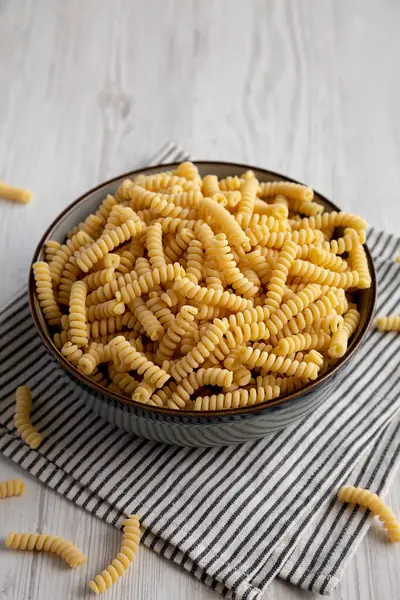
[
  {"x": 136, "y": 361},
  {"x": 254, "y": 358},
  {"x": 96, "y": 354},
  {"x": 22, "y": 418},
  {"x": 388, "y": 323},
  {"x": 224, "y": 222},
  {"x": 11, "y": 487},
  {"x": 285, "y": 188},
  {"x": 51, "y": 247},
  {"x": 279, "y": 275},
  {"x": 366, "y": 498},
  {"x": 324, "y": 258},
  {"x": 316, "y": 274},
  {"x": 359, "y": 263},
  {"x": 339, "y": 341},
  {"x": 177, "y": 245},
  {"x": 48, "y": 543},
  {"x": 212, "y": 376},
  {"x": 155, "y": 246},
  {"x": 124, "y": 558},
  {"x": 179, "y": 286},
  {"x": 201, "y": 350},
  {"x": 45, "y": 294},
  {"x": 64, "y": 253},
  {"x": 175, "y": 332},
  {"x": 245, "y": 208},
  {"x": 227, "y": 265},
  {"x": 306, "y": 341},
  {"x": 226, "y": 300},
  {"x": 71, "y": 352},
  {"x": 77, "y": 314},
  {"x": 236, "y": 399},
  {"x": 146, "y": 283},
  {"x": 194, "y": 261},
  {"x": 151, "y": 325},
  {"x": 107, "y": 242}
]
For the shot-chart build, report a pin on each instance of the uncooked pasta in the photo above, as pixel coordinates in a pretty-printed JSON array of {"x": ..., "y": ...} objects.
[{"x": 185, "y": 292}]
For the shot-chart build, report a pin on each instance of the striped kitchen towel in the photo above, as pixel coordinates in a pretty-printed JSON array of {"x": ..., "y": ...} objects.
[{"x": 235, "y": 517}]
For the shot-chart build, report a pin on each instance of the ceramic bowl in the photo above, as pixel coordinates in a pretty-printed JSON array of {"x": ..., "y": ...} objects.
[{"x": 190, "y": 428}]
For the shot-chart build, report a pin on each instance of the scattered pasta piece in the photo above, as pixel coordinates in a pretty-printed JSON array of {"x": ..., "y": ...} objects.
[
  {"x": 182, "y": 291},
  {"x": 15, "y": 194},
  {"x": 22, "y": 419},
  {"x": 48, "y": 543},
  {"x": 366, "y": 498},
  {"x": 388, "y": 323},
  {"x": 124, "y": 558},
  {"x": 11, "y": 487}
]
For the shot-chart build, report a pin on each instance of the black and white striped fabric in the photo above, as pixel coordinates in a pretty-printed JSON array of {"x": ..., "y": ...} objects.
[{"x": 235, "y": 517}]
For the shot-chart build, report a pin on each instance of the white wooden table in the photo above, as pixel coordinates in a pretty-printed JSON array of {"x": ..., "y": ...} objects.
[{"x": 89, "y": 89}]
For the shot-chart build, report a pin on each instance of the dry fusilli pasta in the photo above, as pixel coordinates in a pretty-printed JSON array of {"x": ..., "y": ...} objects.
[
  {"x": 48, "y": 543},
  {"x": 366, "y": 498},
  {"x": 124, "y": 558},
  {"x": 180, "y": 286},
  {"x": 11, "y": 487},
  {"x": 22, "y": 418}
]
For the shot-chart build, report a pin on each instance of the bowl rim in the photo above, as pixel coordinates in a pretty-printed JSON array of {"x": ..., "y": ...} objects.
[{"x": 182, "y": 415}]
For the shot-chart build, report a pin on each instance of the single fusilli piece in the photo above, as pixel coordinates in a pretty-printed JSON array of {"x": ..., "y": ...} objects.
[
  {"x": 51, "y": 247},
  {"x": 237, "y": 399},
  {"x": 136, "y": 361},
  {"x": 152, "y": 326},
  {"x": 15, "y": 194},
  {"x": 286, "y": 188},
  {"x": 107, "y": 242},
  {"x": 48, "y": 543},
  {"x": 229, "y": 268},
  {"x": 306, "y": 341},
  {"x": 210, "y": 186},
  {"x": 176, "y": 246},
  {"x": 96, "y": 354},
  {"x": 201, "y": 351},
  {"x": 124, "y": 558},
  {"x": 154, "y": 245},
  {"x": 77, "y": 314},
  {"x": 245, "y": 208},
  {"x": 45, "y": 294},
  {"x": 279, "y": 275},
  {"x": 224, "y": 222},
  {"x": 388, "y": 323},
  {"x": 313, "y": 273},
  {"x": 205, "y": 295},
  {"x": 326, "y": 259},
  {"x": 11, "y": 487},
  {"x": 64, "y": 253},
  {"x": 366, "y": 498},
  {"x": 147, "y": 283},
  {"x": 276, "y": 210},
  {"x": 189, "y": 171},
  {"x": 359, "y": 263},
  {"x": 194, "y": 261},
  {"x": 175, "y": 332},
  {"x": 254, "y": 358},
  {"x": 340, "y": 339},
  {"x": 22, "y": 418},
  {"x": 212, "y": 376}
]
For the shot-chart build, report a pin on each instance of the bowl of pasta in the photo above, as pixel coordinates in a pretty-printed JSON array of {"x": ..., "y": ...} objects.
[{"x": 203, "y": 304}]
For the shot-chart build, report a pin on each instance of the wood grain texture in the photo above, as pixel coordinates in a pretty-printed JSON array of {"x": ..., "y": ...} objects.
[{"x": 90, "y": 89}]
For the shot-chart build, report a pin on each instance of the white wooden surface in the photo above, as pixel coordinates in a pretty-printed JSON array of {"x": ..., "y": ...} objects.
[{"x": 89, "y": 89}]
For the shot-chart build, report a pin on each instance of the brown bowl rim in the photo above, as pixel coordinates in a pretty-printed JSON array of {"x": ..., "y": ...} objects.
[{"x": 189, "y": 414}]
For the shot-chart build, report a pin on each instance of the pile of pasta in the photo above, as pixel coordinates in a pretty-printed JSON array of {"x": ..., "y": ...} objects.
[{"x": 189, "y": 292}]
